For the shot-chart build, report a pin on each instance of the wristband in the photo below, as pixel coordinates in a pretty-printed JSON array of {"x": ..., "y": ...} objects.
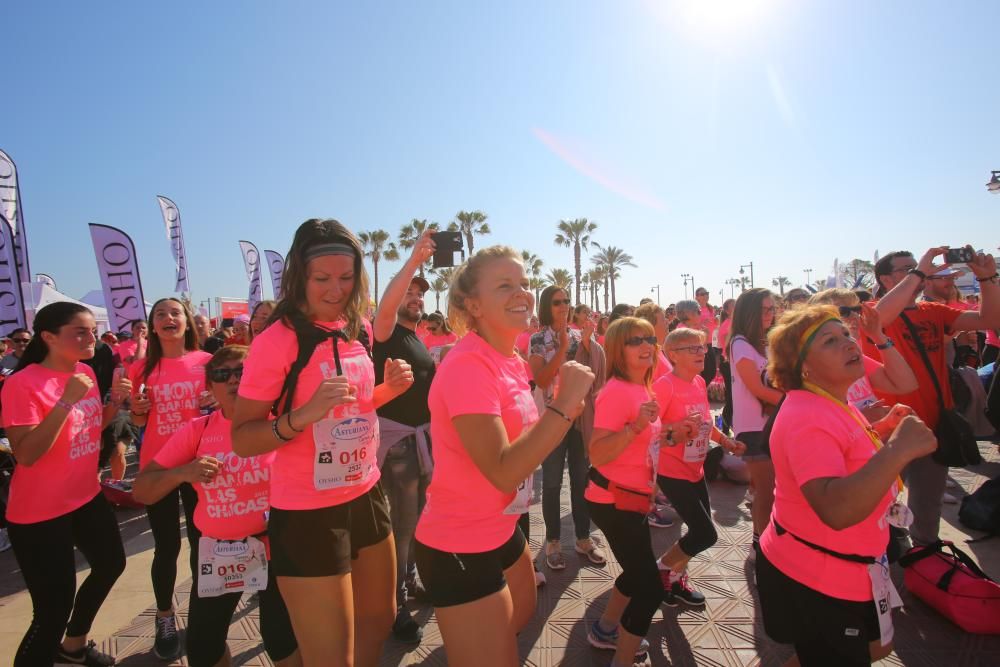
[
  {"x": 290, "y": 425},
  {"x": 277, "y": 433},
  {"x": 886, "y": 345},
  {"x": 560, "y": 413},
  {"x": 988, "y": 278},
  {"x": 918, "y": 273},
  {"x": 65, "y": 405}
]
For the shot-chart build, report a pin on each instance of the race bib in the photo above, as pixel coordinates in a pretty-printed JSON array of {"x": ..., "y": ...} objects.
[
  {"x": 885, "y": 597},
  {"x": 696, "y": 449},
  {"x": 230, "y": 566},
  {"x": 345, "y": 451},
  {"x": 522, "y": 500}
]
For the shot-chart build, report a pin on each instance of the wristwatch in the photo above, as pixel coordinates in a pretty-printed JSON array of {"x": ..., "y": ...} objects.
[{"x": 886, "y": 345}]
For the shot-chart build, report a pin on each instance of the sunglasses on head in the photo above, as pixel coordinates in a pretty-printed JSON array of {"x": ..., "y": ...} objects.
[
  {"x": 223, "y": 374},
  {"x": 635, "y": 341},
  {"x": 847, "y": 311},
  {"x": 560, "y": 302}
]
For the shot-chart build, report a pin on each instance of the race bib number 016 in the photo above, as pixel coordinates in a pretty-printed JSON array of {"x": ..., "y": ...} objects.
[
  {"x": 230, "y": 566},
  {"x": 345, "y": 451}
]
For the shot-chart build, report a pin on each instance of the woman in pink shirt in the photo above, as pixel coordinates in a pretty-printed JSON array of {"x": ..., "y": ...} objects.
[
  {"x": 822, "y": 572},
  {"x": 231, "y": 516},
  {"x": 439, "y": 335},
  {"x": 655, "y": 316},
  {"x": 53, "y": 416},
  {"x": 308, "y": 394},
  {"x": 725, "y": 324},
  {"x": 623, "y": 453},
  {"x": 488, "y": 441},
  {"x": 166, "y": 389},
  {"x": 687, "y": 423}
]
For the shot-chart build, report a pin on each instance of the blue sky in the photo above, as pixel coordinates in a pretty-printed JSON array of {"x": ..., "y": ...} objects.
[{"x": 699, "y": 135}]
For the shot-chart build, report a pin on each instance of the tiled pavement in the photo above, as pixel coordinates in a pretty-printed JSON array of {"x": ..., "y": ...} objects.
[{"x": 726, "y": 632}]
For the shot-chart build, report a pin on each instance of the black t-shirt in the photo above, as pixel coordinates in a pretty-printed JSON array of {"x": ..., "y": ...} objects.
[
  {"x": 103, "y": 364},
  {"x": 213, "y": 344},
  {"x": 410, "y": 407}
]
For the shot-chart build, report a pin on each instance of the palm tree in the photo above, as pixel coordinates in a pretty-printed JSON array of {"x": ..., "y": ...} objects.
[
  {"x": 575, "y": 234},
  {"x": 612, "y": 259},
  {"x": 781, "y": 282},
  {"x": 439, "y": 284},
  {"x": 560, "y": 278},
  {"x": 410, "y": 233},
  {"x": 532, "y": 263},
  {"x": 470, "y": 223},
  {"x": 599, "y": 278},
  {"x": 536, "y": 285},
  {"x": 374, "y": 244}
]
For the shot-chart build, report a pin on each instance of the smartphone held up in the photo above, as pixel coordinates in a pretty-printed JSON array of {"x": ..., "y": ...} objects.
[{"x": 446, "y": 245}]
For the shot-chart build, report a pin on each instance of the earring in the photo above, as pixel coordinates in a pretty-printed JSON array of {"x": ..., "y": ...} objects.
[{"x": 805, "y": 375}]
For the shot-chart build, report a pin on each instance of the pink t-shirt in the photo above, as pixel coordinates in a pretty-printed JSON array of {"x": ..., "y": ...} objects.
[
  {"x": 435, "y": 343},
  {"x": 813, "y": 438},
  {"x": 677, "y": 399},
  {"x": 617, "y": 404},
  {"x": 724, "y": 335},
  {"x": 523, "y": 341},
  {"x": 65, "y": 477},
  {"x": 127, "y": 349},
  {"x": 173, "y": 388},
  {"x": 663, "y": 366},
  {"x": 232, "y": 505},
  {"x": 861, "y": 394},
  {"x": 333, "y": 461},
  {"x": 708, "y": 322},
  {"x": 464, "y": 511},
  {"x": 992, "y": 338}
]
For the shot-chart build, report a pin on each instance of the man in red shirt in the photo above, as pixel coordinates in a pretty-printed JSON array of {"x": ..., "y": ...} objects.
[{"x": 900, "y": 279}]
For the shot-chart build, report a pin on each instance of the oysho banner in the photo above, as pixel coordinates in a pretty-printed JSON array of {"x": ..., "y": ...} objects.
[
  {"x": 11, "y": 299},
  {"x": 119, "y": 268},
  {"x": 10, "y": 208},
  {"x": 251, "y": 261},
  {"x": 172, "y": 220},
  {"x": 276, "y": 264}
]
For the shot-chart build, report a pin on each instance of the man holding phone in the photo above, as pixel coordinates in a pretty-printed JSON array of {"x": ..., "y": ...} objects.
[{"x": 899, "y": 280}]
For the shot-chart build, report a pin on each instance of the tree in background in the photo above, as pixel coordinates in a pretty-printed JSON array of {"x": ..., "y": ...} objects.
[
  {"x": 536, "y": 285},
  {"x": 439, "y": 284},
  {"x": 411, "y": 232},
  {"x": 575, "y": 234},
  {"x": 377, "y": 246},
  {"x": 532, "y": 264},
  {"x": 599, "y": 278},
  {"x": 858, "y": 273},
  {"x": 470, "y": 223},
  {"x": 612, "y": 259},
  {"x": 781, "y": 282},
  {"x": 560, "y": 278}
]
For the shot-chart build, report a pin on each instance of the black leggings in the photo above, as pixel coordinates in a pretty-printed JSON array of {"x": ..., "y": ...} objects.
[
  {"x": 209, "y": 619},
  {"x": 690, "y": 501},
  {"x": 44, "y": 552},
  {"x": 628, "y": 537},
  {"x": 727, "y": 409},
  {"x": 165, "y": 523}
]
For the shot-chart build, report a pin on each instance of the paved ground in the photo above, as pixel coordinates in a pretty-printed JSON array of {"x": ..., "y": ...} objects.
[{"x": 726, "y": 632}]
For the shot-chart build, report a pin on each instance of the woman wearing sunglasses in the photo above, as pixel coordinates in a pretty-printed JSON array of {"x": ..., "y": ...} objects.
[
  {"x": 653, "y": 314},
  {"x": 231, "y": 517},
  {"x": 623, "y": 450},
  {"x": 892, "y": 376},
  {"x": 439, "y": 335},
  {"x": 166, "y": 387},
  {"x": 686, "y": 420},
  {"x": 555, "y": 344}
]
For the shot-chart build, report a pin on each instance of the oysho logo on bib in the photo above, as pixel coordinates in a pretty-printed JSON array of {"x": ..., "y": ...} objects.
[{"x": 355, "y": 428}]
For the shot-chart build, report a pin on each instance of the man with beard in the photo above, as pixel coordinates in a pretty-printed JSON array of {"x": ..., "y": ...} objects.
[{"x": 404, "y": 422}]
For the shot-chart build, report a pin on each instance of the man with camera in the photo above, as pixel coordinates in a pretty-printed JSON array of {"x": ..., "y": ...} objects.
[
  {"x": 404, "y": 422},
  {"x": 899, "y": 281}
]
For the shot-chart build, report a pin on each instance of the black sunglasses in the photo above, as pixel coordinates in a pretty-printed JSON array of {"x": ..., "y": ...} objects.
[
  {"x": 560, "y": 302},
  {"x": 223, "y": 374},
  {"x": 635, "y": 341},
  {"x": 21, "y": 340},
  {"x": 847, "y": 311}
]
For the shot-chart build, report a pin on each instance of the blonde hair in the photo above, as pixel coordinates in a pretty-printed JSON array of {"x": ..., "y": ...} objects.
[
  {"x": 682, "y": 335},
  {"x": 648, "y": 312},
  {"x": 614, "y": 346},
  {"x": 784, "y": 344},
  {"x": 836, "y": 296},
  {"x": 465, "y": 285}
]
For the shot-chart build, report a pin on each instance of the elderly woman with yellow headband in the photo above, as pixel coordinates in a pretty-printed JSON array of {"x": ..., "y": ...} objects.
[{"x": 823, "y": 575}]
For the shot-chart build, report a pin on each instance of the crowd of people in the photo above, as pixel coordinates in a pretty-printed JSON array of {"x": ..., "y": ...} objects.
[{"x": 338, "y": 462}]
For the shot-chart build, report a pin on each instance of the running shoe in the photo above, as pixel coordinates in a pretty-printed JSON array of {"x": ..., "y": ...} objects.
[
  {"x": 539, "y": 577},
  {"x": 588, "y": 547},
  {"x": 657, "y": 520},
  {"x": 554, "y": 557},
  {"x": 88, "y": 655},
  {"x": 4, "y": 540},
  {"x": 600, "y": 638},
  {"x": 415, "y": 589},
  {"x": 680, "y": 591},
  {"x": 167, "y": 645},
  {"x": 405, "y": 629}
]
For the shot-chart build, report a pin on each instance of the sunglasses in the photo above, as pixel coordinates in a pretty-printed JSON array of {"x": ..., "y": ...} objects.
[
  {"x": 847, "y": 311},
  {"x": 636, "y": 341},
  {"x": 560, "y": 302},
  {"x": 692, "y": 349},
  {"x": 223, "y": 374},
  {"x": 939, "y": 277},
  {"x": 23, "y": 341}
]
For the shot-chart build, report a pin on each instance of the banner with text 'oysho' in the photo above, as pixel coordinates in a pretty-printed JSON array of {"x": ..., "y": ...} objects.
[
  {"x": 172, "y": 220},
  {"x": 11, "y": 297},
  {"x": 119, "y": 268},
  {"x": 276, "y": 264},
  {"x": 10, "y": 208},
  {"x": 251, "y": 261}
]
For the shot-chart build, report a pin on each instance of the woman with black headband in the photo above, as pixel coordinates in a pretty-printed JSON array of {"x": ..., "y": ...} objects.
[{"x": 308, "y": 391}]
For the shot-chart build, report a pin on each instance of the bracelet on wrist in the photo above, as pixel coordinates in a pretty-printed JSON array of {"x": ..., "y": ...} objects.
[
  {"x": 988, "y": 278},
  {"x": 918, "y": 273},
  {"x": 560, "y": 413},
  {"x": 64, "y": 404},
  {"x": 288, "y": 415},
  {"x": 886, "y": 345},
  {"x": 277, "y": 433}
]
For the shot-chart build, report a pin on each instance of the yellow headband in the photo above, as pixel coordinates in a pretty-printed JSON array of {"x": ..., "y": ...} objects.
[{"x": 806, "y": 339}]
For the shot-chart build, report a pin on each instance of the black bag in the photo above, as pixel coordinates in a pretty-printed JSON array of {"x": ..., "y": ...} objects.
[
  {"x": 957, "y": 446},
  {"x": 980, "y": 510}
]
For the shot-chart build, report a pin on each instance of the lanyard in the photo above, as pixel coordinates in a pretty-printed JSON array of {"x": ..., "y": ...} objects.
[{"x": 869, "y": 431}]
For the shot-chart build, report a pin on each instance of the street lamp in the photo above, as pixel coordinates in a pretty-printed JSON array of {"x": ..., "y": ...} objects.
[
  {"x": 687, "y": 277},
  {"x": 656, "y": 288},
  {"x": 994, "y": 184},
  {"x": 750, "y": 265},
  {"x": 808, "y": 273}
]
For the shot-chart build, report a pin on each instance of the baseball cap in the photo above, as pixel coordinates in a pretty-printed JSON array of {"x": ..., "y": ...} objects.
[{"x": 421, "y": 283}]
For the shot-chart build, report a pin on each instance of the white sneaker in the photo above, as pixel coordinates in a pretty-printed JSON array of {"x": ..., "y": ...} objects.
[{"x": 4, "y": 540}]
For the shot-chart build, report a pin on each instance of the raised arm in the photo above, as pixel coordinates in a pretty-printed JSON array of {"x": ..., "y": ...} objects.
[{"x": 395, "y": 291}]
